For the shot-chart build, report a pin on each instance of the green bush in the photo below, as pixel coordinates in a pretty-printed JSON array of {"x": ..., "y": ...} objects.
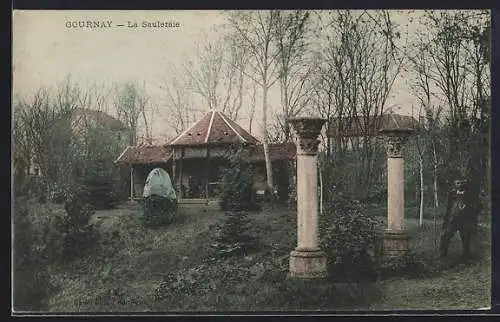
[
  {"x": 45, "y": 235},
  {"x": 101, "y": 191},
  {"x": 78, "y": 234},
  {"x": 59, "y": 194},
  {"x": 31, "y": 280},
  {"x": 350, "y": 238},
  {"x": 233, "y": 237},
  {"x": 30, "y": 187},
  {"x": 236, "y": 191},
  {"x": 158, "y": 210}
]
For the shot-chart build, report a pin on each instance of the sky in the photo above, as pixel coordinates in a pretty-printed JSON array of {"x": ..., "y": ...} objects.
[{"x": 46, "y": 51}]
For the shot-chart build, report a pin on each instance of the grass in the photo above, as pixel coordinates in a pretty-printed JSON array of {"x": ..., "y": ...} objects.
[
  {"x": 455, "y": 285},
  {"x": 173, "y": 269}
]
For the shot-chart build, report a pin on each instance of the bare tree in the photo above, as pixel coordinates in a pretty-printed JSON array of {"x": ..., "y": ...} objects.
[
  {"x": 254, "y": 31},
  {"x": 291, "y": 31},
  {"x": 131, "y": 103},
  {"x": 217, "y": 75},
  {"x": 428, "y": 129},
  {"x": 179, "y": 111},
  {"x": 251, "y": 111},
  {"x": 452, "y": 70},
  {"x": 44, "y": 135},
  {"x": 205, "y": 73},
  {"x": 359, "y": 61}
]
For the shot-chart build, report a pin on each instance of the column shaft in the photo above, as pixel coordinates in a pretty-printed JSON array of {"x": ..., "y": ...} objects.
[
  {"x": 395, "y": 194},
  {"x": 307, "y": 203}
]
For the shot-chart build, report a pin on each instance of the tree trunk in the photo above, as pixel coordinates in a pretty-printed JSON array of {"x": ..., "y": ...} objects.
[
  {"x": 146, "y": 127},
  {"x": 320, "y": 190},
  {"x": 436, "y": 199},
  {"x": 252, "y": 111},
  {"x": 269, "y": 170},
  {"x": 284, "y": 102},
  {"x": 421, "y": 217}
]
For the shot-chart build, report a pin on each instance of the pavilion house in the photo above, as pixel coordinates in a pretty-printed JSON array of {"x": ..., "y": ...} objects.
[
  {"x": 197, "y": 157},
  {"x": 141, "y": 160},
  {"x": 352, "y": 130}
]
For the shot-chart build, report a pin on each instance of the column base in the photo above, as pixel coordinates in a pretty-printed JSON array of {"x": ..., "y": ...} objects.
[
  {"x": 306, "y": 263},
  {"x": 395, "y": 243}
]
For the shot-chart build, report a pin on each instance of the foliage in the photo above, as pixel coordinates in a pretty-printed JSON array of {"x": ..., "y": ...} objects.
[
  {"x": 45, "y": 235},
  {"x": 63, "y": 146},
  {"x": 31, "y": 280},
  {"x": 257, "y": 283},
  {"x": 452, "y": 65},
  {"x": 348, "y": 235},
  {"x": 236, "y": 191},
  {"x": 101, "y": 189},
  {"x": 77, "y": 233},
  {"x": 59, "y": 193},
  {"x": 411, "y": 265},
  {"x": 158, "y": 210},
  {"x": 350, "y": 239},
  {"x": 233, "y": 237},
  {"x": 345, "y": 168},
  {"x": 167, "y": 263}
]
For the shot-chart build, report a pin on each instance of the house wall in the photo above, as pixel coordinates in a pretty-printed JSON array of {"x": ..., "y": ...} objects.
[
  {"x": 197, "y": 174},
  {"x": 351, "y": 142}
]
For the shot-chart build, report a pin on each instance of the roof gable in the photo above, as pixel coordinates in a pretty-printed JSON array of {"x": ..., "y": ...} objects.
[{"x": 213, "y": 128}]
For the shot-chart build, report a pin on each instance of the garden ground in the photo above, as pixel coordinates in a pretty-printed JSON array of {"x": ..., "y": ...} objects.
[{"x": 173, "y": 269}]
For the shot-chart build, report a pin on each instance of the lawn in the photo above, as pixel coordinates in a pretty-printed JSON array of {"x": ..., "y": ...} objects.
[{"x": 173, "y": 269}]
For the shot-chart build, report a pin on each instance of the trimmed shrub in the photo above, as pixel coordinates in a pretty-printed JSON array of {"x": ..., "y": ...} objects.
[{"x": 158, "y": 210}]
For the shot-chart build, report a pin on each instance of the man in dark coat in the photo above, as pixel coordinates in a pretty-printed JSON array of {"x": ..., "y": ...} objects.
[{"x": 462, "y": 212}]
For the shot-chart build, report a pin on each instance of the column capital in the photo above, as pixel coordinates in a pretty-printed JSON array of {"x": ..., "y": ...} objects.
[
  {"x": 395, "y": 140},
  {"x": 308, "y": 130}
]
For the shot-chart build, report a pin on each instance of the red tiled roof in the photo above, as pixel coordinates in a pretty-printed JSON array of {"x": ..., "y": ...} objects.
[
  {"x": 144, "y": 154},
  {"x": 352, "y": 126},
  {"x": 213, "y": 128},
  {"x": 277, "y": 151},
  {"x": 159, "y": 154}
]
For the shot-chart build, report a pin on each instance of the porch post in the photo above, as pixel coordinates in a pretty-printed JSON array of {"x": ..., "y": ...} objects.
[
  {"x": 180, "y": 175},
  {"x": 206, "y": 174},
  {"x": 131, "y": 182},
  {"x": 174, "y": 175}
]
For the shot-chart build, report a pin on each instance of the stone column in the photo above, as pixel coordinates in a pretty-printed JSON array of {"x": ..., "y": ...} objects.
[
  {"x": 307, "y": 260},
  {"x": 395, "y": 239}
]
